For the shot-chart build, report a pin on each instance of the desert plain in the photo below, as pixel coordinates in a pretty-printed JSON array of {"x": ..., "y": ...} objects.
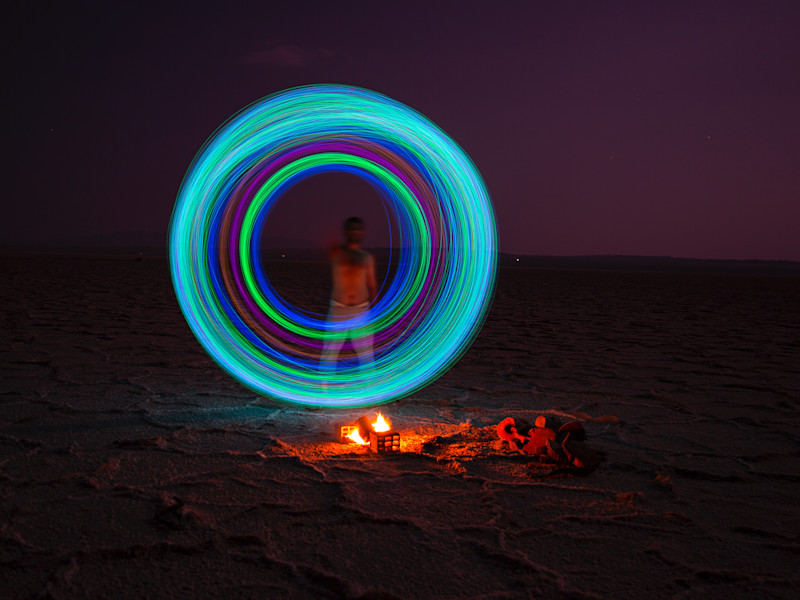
[{"x": 133, "y": 466}]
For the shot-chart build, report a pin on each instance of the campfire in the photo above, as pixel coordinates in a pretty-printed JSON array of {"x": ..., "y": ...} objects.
[{"x": 378, "y": 434}]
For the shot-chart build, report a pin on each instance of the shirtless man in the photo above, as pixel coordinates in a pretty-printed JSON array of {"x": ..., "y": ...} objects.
[{"x": 354, "y": 288}]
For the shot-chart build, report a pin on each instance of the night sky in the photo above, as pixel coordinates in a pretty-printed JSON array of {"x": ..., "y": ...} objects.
[{"x": 646, "y": 128}]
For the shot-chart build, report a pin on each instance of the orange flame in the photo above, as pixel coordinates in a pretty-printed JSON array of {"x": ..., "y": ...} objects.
[
  {"x": 381, "y": 424},
  {"x": 356, "y": 437}
]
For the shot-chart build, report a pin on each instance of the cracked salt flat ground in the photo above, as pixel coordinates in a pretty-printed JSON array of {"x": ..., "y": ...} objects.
[{"x": 133, "y": 466}]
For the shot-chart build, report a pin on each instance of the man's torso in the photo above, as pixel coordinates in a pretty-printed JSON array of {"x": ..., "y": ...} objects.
[{"x": 349, "y": 269}]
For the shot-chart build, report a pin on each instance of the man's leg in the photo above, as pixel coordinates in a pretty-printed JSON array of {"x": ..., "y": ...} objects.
[
  {"x": 364, "y": 349},
  {"x": 330, "y": 351},
  {"x": 333, "y": 344},
  {"x": 362, "y": 345}
]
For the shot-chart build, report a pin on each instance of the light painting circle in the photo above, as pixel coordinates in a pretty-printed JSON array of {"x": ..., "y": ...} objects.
[{"x": 428, "y": 313}]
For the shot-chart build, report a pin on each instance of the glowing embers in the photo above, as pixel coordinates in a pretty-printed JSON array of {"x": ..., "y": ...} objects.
[{"x": 378, "y": 434}]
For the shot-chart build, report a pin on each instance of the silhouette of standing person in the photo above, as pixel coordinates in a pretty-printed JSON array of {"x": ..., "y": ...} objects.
[{"x": 354, "y": 288}]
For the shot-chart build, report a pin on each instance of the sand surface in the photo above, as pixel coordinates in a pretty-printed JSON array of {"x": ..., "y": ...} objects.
[{"x": 131, "y": 466}]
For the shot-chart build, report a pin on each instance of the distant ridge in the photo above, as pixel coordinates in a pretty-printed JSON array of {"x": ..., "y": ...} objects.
[
  {"x": 596, "y": 262},
  {"x": 651, "y": 263},
  {"x": 291, "y": 249}
]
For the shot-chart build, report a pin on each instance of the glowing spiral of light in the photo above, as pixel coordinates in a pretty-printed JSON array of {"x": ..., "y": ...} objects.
[{"x": 442, "y": 288}]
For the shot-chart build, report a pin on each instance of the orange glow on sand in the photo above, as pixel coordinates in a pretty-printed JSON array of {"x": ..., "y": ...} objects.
[{"x": 381, "y": 424}]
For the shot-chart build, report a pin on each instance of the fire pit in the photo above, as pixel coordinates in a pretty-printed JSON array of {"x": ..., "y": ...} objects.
[{"x": 378, "y": 434}]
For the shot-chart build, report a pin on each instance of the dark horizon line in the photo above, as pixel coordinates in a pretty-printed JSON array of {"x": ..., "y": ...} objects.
[{"x": 504, "y": 258}]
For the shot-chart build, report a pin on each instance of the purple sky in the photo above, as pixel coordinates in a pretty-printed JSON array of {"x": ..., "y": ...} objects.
[{"x": 650, "y": 128}]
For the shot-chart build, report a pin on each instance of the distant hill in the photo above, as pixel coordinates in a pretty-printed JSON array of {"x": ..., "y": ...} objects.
[
  {"x": 296, "y": 249},
  {"x": 651, "y": 263},
  {"x": 600, "y": 262}
]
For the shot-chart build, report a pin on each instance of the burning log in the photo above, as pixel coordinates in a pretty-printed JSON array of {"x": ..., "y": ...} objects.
[{"x": 364, "y": 428}]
